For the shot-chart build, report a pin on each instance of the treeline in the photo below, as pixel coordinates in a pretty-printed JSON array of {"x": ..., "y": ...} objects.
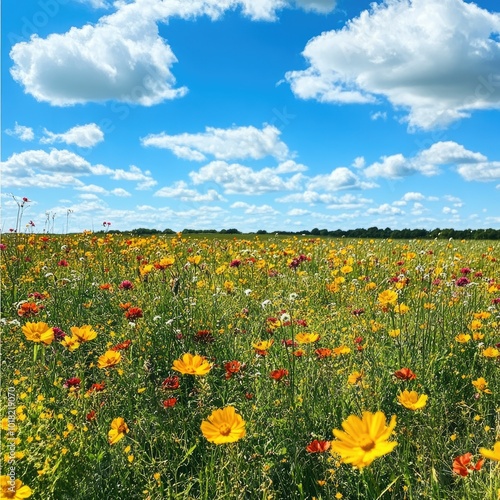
[{"x": 371, "y": 232}]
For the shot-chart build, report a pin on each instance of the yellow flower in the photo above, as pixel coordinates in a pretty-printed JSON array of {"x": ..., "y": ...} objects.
[
  {"x": 13, "y": 489},
  {"x": 411, "y": 400},
  {"x": 108, "y": 359},
  {"x": 401, "y": 308},
  {"x": 388, "y": 298},
  {"x": 355, "y": 377},
  {"x": 71, "y": 343},
  {"x": 481, "y": 385},
  {"x": 118, "y": 430},
  {"x": 191, "y": 364},
  {"x": 83, "y": 333},
  {"x": 341, "y": 350},
  {"x": 263, "y": 345},
  {"x": 364, "y": 440},
  {"x": 306, "y": 338},
  {"x": 462, "y": 338},
  {"x": 491, "y": 352},
  {"x": 493, "y": 454},
  {"x": 223, "y": 426},
  {"x": 395, "y": 333},
  {"x": 38, "y": 332}
]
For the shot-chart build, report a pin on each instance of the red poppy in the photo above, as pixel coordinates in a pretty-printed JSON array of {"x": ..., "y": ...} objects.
[
  {"x": 170, "y": 402},
  {"x": 405, "y": 374},
  {"x": 278, "y": 374},
  {"x": 318, "y": 446},
  {"x": 171, "y": 383},
  {"x": 462, "y": 465}
]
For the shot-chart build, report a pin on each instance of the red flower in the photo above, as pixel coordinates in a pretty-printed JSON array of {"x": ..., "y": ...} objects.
[
  {"x": 121, "y": 346},
  {"x": 318, "y": 446},
  {"x": 133, "y": 313},
  {"x": 171, "y": 383},
  {"x": 462, "y": 465},
  {"x": 72, "y": 382},
  {"x": 91, "y": 415},
  {"x": 126, "y": 285},
  {"x": 235, "y": 263},
  {"x": 170, "y": 402},
  {"x": 323, "y": 352},
  {"x": 204, "y": 336},
  {"x": 63, "y": 263},
  {"x": 96, "y": 387},
  {"x": 405, "y": 374},
  {"x": 231, "y": 368},
  {"x": 278, "y": 374},
  {"x": 28, "y": 309}
]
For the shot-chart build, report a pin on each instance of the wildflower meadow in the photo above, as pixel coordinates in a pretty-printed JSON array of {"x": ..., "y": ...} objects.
[{"x": 249, "y": 367}]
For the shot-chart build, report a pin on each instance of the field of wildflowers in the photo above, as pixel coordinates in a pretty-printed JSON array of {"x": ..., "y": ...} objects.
[{"x": 251, "y": 368}]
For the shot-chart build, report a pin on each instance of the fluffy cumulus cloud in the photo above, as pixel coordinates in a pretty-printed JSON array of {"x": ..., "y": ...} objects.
[
  {"x": 122, "y": 57},
  {"x": 437, "y": 59},
  {"x": 222, "y": 144},
  {"x": 21, "y": 132},
  {"x": 96, "y": 4},
  {"x": 181, "y": 191},
  {"x": 469, "y": 164},
  {"x": 254, "y": 209},
  {"x": 84, "y": 136},
  {"x": 344, "y": 202},
  {"x": 62, "y": 168},
  {"x": 240, "y": 179},
  {"x": 338, "y": 179}
]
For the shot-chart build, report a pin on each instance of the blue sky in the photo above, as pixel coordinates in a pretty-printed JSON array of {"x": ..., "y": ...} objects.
[{"x": 254, "y": 114}]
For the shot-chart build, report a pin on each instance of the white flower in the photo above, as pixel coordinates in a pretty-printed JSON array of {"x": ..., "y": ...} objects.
[{"x": 265, "y": 303}]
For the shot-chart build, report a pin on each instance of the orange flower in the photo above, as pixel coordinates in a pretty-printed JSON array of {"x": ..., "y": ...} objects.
[
  {"x": 318, "y": 446},
  {"x": 28, "y": 309},
  {"x": 278, "y": 374},
  {"x": 462, "y": 465},
  {"x": 405, "y": 374},
  {"x": 231, "y": 368},
  {"x": 323, "y": 352}
]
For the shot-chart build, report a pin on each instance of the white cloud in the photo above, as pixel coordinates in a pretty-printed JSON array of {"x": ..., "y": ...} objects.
[
  {"x": 122, "y": 193},
  {"x": 413, "y": 196},
  {"x": 223, "y": 144},
  {"x": 61, "y": 168},
  {"x": 483, "y": 171},
  {"x": 428, "y": 161},
  {"x": 359, "y": 162},
  {"x": 239, "y": 179},
  {"x": 84, "y": 136},
  {"x": 435, "y": 58},
  {"x": 181, "y": 191},
  {"x": 21, "y": 132},
  {"x": 379, "y": 115},
  {"x": 337, "y": 179},
  {"x": 255, "y": 209},
  {"x": 122, "y": 57},
  {"x": 385, "y": 209}
]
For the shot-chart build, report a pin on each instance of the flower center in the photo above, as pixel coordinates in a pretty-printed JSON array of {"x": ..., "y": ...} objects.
[
  {"x": 224, "y": 429},
  {"x": 367, "y": 444}
]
